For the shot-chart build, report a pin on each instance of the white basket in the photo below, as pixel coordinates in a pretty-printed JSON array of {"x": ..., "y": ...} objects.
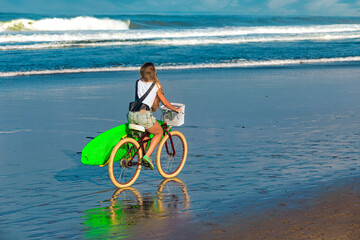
[{"x": 173, "y": 118}]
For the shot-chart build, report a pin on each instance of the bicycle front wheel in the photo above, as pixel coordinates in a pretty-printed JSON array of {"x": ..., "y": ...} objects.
[
  {"x": 125, "y": 163},
  {"x": 171, "y": 154}
]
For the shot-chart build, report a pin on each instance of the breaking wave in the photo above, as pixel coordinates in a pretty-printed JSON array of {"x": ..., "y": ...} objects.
[
  {"x": 180, "y": 42},
  {"x": 176, "y": 37},
  {"x": 228, "y": 64},
  {"x": 63, "y": 24},
  {"x": 99, "y": 24}
]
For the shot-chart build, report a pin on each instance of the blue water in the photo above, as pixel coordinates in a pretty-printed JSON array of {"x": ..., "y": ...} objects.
[
  {"x": 256, "y": 137},
  {"x": 269, "y": 135},
  {"x": 35, "y": 44}
]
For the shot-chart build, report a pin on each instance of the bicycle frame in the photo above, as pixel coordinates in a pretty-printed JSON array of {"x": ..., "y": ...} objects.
[{"x": 143, "y": 142}]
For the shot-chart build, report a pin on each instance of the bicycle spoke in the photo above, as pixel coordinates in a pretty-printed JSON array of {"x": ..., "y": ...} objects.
[
  {"x": 122, "y": 172},
  {"x": 171, "y": 161}
]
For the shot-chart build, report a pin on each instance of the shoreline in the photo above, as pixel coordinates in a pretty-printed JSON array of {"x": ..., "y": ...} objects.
[
  {"x": 347, "y": 61},
  {"x": 333, "y": 213},
  {"x": 328, "y": 212}
]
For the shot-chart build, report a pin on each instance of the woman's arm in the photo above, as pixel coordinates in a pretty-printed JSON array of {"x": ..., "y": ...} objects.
[{"x": 165, "y": 101}]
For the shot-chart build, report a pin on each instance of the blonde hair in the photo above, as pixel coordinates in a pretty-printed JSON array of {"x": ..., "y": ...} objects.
[{"x": 148, "y": 74}]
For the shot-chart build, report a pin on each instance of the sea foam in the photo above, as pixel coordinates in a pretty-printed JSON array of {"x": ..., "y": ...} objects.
[
  {"x": 63, "y": 24},
  {"x": 240, "y": 63},
  {"x": 99, "y": 24},
  {"x": 175, "y": 37},
  {"x": 180, "y": 42}
]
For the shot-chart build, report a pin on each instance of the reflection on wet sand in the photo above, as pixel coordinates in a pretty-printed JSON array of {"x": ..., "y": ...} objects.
[
  {"x": 172, "y": 196},
  {"x": 128, "y": 209}
]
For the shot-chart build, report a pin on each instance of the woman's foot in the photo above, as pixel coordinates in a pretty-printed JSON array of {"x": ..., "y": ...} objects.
[{"x": 147, "y": 162}]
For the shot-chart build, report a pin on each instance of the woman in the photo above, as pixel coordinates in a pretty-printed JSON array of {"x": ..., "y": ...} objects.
[{"x": 144, "y": 116}]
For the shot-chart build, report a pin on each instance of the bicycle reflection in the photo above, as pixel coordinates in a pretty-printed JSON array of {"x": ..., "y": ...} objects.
[
  {"x": 171, "y": 194},
  {"x": 128, "y": 208}
]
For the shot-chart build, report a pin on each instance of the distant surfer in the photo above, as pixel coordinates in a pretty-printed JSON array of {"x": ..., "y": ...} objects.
[{"x": 148, "y": 94}]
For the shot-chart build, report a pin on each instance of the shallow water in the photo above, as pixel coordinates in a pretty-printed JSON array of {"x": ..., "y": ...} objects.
[{"x": 255, "y": 136}]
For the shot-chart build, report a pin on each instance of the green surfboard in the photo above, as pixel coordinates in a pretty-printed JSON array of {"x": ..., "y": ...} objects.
[{"x": 98, "y": 150}]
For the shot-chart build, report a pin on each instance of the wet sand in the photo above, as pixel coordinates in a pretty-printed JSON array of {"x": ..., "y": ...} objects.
[
  {"x": 269, "y": 149},
  {"x": 334, "y": 214},
  {"x": 330, "y": 213}
]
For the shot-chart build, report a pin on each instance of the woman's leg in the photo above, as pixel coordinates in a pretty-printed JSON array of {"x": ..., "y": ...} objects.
[{"x": 158, "y": 132}]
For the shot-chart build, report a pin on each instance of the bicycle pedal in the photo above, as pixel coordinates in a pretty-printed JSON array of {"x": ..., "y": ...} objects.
[{"x": 147, "y": 166}]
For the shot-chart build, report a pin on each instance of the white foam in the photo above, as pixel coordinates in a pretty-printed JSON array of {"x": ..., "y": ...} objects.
[
  {"x": 63, "y": 24},
  {"x": 15, "y": 131},
  {"x": 233, "y": 64},
  {"x": 173, "y": 33},
  {"x": 183, "y": 42},
  {"x": 61, "y": 71}
]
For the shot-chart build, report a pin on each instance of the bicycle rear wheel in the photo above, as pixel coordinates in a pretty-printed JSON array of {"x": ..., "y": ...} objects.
[
  {"x": 171, "y": 155},
  {"x": 122, "y": 171}
]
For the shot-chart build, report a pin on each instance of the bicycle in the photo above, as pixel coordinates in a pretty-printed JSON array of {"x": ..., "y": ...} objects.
[{"x": 170, "y": 156}]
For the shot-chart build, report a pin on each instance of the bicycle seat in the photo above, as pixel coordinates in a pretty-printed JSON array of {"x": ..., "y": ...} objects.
[{"x": 136, "y": 127}]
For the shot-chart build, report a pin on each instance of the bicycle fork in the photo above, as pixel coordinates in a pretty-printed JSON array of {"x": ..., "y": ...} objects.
[{"x": 172, "y": 145}]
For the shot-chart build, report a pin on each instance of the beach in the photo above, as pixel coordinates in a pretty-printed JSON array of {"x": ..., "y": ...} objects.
[
  {"x": 332, "y": 214},
  {"x": 273, "y": 151}
]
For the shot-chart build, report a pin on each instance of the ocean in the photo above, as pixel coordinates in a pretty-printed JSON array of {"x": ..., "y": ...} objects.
[
  {"x": 272, "y": 122},
  {"x": 39, "y": 44}
]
